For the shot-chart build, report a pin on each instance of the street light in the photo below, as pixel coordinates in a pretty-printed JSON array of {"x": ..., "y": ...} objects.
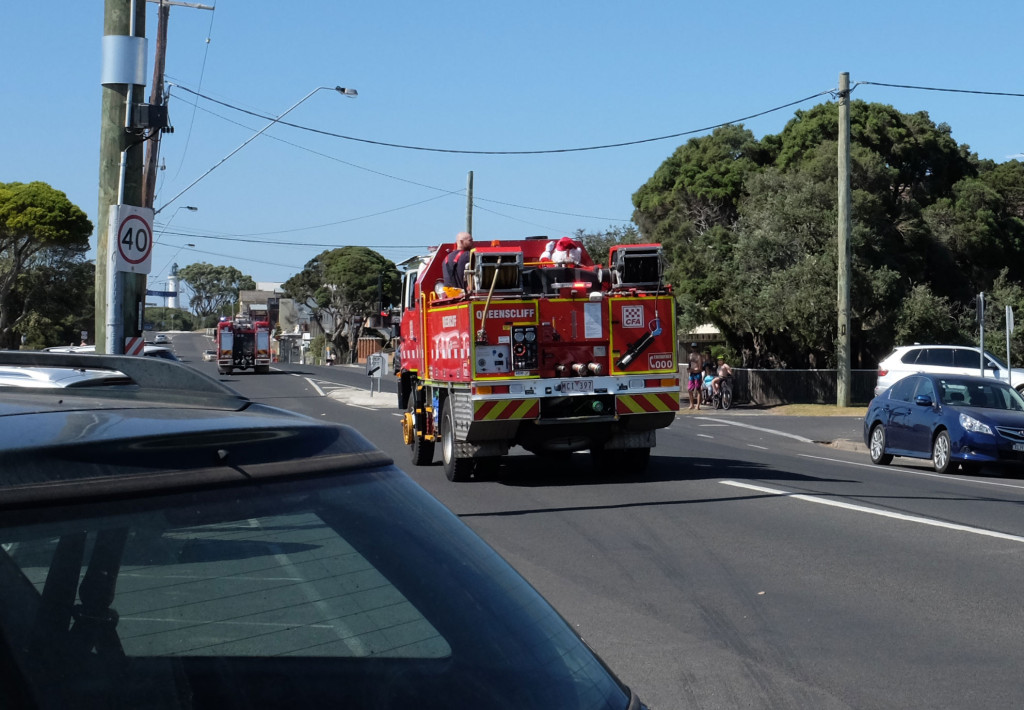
[
  {"x": 190, "y": 208},
  {"x": 350, "y": 93}
]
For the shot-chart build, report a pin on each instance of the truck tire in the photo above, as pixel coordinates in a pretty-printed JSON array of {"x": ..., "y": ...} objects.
[
  {"x": 224, "y": 370},
  {"x": 262, "y": 369},
  {"x": 421, "y": 451},
  {"x": 455, "y": 469}
]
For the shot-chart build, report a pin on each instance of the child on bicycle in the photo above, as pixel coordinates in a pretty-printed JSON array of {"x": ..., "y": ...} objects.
[{"x": 723, "y": 371}]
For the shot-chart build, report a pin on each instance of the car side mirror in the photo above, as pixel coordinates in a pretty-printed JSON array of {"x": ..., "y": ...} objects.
[{"x": 923, "y": 400}]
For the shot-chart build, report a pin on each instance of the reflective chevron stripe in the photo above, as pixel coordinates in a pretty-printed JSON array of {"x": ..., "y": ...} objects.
[
  {"x": 647, "y": 403},
  {"x": 493, "y": 410}
]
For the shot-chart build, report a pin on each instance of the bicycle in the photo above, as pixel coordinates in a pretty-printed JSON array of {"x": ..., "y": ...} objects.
[{"x": 722, "y": 399}]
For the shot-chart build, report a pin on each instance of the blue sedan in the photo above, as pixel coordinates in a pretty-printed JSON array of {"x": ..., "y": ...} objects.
[{"x": 952, "y": 420}]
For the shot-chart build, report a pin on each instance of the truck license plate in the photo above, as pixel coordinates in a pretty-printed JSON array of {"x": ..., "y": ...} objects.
[{"x": 577, "y": 385}]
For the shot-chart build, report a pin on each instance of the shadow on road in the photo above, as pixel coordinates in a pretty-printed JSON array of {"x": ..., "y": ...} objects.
[{"x": 577, "y": 469}]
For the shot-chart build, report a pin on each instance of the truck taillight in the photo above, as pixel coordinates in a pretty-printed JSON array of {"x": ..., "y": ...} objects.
[
  {"x": 882, "y": 373},
  {"x": 490, "y": 389}
]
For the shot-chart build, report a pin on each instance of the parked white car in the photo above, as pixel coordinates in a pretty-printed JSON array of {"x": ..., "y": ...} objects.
[{"x": 943, "y": 360}]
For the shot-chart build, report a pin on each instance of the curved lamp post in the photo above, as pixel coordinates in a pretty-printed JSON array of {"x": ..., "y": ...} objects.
[
  {"x": 167, "y": 224},
  {"x": 351, "y": 93}
]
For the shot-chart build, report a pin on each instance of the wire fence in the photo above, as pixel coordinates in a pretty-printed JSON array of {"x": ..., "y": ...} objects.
[{"x": 774, "y": 387}]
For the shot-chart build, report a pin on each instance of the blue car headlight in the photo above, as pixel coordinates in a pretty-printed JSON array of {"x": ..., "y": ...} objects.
[{"x": 971, "y": 424}]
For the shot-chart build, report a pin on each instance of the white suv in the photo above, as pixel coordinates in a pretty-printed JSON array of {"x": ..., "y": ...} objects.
[{"x": 943, "y": 360}]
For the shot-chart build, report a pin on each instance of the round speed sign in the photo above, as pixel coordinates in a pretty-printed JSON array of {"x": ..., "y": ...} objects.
[{"x": 134, "y": 239}]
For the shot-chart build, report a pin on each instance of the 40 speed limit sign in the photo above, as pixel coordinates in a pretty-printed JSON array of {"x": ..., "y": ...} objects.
[{"x": 130, "y": 237}]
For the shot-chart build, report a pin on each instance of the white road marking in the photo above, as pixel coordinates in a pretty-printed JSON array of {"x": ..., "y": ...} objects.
[
  {"x": 755, "y": 446},
  {"x": 914, "y": 472},
  {"x": 876, "y": 511},
  {"x": 311, "y": 384},
  {"x": 706, "y": 436},
  {"x": 767, "y": 431}
]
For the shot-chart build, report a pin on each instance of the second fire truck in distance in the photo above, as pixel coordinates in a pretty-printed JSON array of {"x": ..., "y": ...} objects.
[
  {"x": 242, "y": 344},
  {"x": 553, "y": 357}
]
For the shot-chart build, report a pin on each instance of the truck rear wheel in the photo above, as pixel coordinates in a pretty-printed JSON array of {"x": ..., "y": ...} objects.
[
  {"x": 421, "y": 451},
  {"x": 455, "y": 469}
]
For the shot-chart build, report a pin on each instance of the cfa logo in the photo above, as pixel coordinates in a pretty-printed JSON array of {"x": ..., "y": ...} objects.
[{"x": 632, "y": 316}]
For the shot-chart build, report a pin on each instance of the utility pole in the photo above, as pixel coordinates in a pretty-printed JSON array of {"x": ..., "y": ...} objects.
[
  {"x": 156, "y": 96},
  {"x": 469, "y": 202},
  {"x": 120, "y": 180},
  {"x": 843, "y": 340}
]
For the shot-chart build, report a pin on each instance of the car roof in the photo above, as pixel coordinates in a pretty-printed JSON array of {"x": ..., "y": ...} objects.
[
  {"x": 57, "y": 377},
  {"x": 949, "y": 376},
  {"x": 174, "y": 427},
  {"x": 147, "y": 349}
]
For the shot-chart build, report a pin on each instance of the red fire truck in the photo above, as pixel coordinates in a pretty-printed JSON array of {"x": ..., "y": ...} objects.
[
  {"x": 243, "y": 343},
  {"x": 553, "y": 357}
]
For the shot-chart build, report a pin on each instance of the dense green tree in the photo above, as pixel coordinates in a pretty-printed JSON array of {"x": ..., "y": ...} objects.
[
  {"x": 341, "y": 287},
  {"x": 162, "y": 318},
  {"x": 924, "y": 317},
  {"x": 749, "y": 229},
  {"x": 41, "y": 231},
  {"x": 60, "y": 291},
  {"x": 213, "y": 287},
  {"x": 700, "y": 184}
]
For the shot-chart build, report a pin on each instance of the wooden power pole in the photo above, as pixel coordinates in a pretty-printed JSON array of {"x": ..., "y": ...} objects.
[
  {"x": 156, "y": 98},
  {"x": 156, "y": 95},
  {"x": 844, "y": 226},
  {"x": 119, "y": 184},
  {"x": 469, "y": 202}
]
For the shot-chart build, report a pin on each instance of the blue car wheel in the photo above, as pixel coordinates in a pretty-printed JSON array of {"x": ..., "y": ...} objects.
[
  {"x": 877, "y": 446},
  {"x": 940, "y": 452}
]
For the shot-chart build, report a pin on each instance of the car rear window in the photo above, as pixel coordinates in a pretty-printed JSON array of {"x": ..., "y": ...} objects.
[
  {"x": 911, "y": 356},
  {"x": 352, "y": 591}
]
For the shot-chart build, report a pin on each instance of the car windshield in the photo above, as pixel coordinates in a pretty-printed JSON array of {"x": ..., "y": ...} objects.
[
  {"x": 980, "y": 393},
  {"x": 356, "y": 591}
]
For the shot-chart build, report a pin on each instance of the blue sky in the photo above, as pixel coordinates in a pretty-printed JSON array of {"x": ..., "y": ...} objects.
[{"x": 522, "y": 76}]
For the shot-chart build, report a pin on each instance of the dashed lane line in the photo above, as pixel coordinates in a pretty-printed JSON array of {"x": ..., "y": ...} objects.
[{"x": 875, "y": 511}]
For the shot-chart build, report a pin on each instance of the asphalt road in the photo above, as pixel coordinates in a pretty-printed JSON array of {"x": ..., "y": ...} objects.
[{"x": 749, "y": 566}]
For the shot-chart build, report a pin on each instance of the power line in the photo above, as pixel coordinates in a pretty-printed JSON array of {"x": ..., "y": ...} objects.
[
  {"x": 933, "y": 88},
  {"x": 276, "y": 242},
  {"x": 202, "y": 73},
  {"x": 621, "y": 144},
  {"x": 446, "y": 192}
]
